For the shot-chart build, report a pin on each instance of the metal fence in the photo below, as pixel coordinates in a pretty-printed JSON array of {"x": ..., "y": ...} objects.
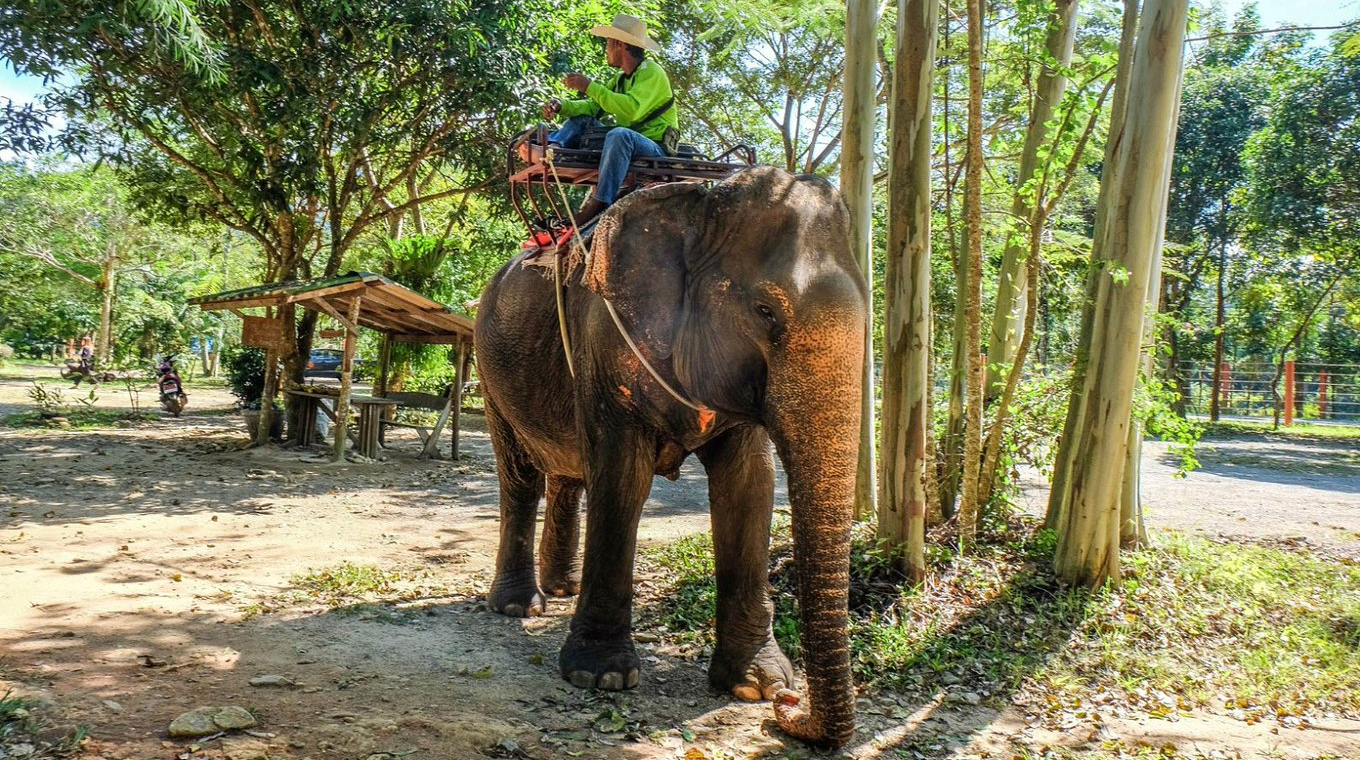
[{"x": 1308, "y": 392}]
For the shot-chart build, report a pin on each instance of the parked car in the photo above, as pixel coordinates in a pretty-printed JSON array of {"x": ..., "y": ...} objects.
[{"x": 325, "y": 362}]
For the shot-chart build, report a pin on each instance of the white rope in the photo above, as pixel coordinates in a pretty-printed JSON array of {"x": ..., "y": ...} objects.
[{"x": 557, "y": 268}]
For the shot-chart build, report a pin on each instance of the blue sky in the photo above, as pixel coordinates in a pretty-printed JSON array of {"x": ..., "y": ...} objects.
[
  {"x": 1274, "y": 13},
  {"x": 1277, "y": 13}
]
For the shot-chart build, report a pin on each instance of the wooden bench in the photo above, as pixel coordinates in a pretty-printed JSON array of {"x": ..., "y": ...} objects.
[{"x": 428, "y": 435}]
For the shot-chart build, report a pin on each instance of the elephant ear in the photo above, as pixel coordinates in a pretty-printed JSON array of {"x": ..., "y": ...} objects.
[{"x": 637, "y": 261}]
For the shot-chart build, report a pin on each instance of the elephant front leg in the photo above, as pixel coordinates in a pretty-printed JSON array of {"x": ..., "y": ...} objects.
[
  {"x": 599, "y": 650},
  {"x": 746, "y": 661},
  {"x": 559, "y": 566},
  {"x": 515, "y": 590}
]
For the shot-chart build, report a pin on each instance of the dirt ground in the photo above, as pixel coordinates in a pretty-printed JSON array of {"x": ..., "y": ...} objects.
[{"x": 135, "y": 562}]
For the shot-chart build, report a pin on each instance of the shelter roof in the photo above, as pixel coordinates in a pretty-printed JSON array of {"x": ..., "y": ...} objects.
[{"x": 384, "y": 305}]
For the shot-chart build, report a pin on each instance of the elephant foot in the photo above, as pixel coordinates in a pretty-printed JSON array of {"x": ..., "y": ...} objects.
[
  {"x": 752, "y": 677},
  {"x": 610, "y": 664},
  {"x": 560, "y": 583},
  {"x": 519, "y": 598}
]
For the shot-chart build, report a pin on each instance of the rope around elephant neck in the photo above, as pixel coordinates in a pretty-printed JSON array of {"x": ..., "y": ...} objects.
[
  {"x": 559, "y": 288},
  {"x": 705, "y": 414}
]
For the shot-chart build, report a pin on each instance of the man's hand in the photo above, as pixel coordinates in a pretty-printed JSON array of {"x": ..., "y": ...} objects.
[
  {"x": 551, "y": 108},
  {"x": 575, "y": 81}
]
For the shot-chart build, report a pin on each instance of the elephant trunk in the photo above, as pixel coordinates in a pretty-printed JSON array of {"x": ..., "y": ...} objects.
[{"x": 814, "y": 419}]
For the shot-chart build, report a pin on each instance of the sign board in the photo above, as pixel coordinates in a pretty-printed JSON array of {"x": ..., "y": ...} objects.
[
  {"x": 328, "y": 333},
  {"x": 262, "y": 332}
]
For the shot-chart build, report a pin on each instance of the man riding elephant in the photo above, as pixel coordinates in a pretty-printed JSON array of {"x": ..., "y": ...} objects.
[
  {"x": 638, "y": 99},
  {"x": 726, "y": 322}
]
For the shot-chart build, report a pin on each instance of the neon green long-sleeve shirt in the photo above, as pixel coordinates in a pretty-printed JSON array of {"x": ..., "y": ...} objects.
[{"x": 628, "y": 99}]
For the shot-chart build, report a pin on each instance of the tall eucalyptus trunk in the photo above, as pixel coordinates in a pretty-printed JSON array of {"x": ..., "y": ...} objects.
[
  {"x": 950, "y": 464},
  {"x": 1123, "y": 66},
  {"x": 1091, "y": 458},
  {"x": 1132, "y": 529},
  {"x": 972, "y": 203},
  {"x": 1220, "y": 311},
  {"x": 906, "y": 359},
  {"x": 1011, "y": 303},
  {"x": 857, "y": 185}
]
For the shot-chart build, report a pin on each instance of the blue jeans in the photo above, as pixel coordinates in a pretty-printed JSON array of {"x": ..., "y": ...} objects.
[{"x": 621, "y": 146}]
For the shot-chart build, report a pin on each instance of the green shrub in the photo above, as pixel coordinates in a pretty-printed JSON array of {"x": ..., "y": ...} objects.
[{"x": 244, "y": 367}]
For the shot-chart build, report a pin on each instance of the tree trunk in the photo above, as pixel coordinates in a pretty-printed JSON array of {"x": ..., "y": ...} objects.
[
  {"x": 1091, "y": 458},
  {"x": 1132, "y": 529},
  {"x": 108, "y": 284},
  {"x": 992, "y": 450},
  {"x": 906, "y": 359},
  {"x": 342, "y": 405},
  {"x": 857, "y": 184},
  {"x": 1010, "y": 288},
  {"x": 950, "y": 464},
  {"x": 1215, "y": 401},
  {"x": 271, "y": 389},
  {"x": 972, "y": 202},
  {"x": 1123, "y": 67}
]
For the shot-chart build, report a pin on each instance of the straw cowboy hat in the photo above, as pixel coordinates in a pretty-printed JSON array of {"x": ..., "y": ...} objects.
[{"x": 629, "y": 29}]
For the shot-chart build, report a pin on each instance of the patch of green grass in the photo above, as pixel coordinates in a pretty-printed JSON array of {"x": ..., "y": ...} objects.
[
  {"x": 1239, "y": 428},
  {"x": 1268, "y": 631},
  {"x": 1275, "y": 632},
  {"x": 14, "y": 714},
  {"x": 346, "y": 581},
  {"x": 77, "y": 419}
]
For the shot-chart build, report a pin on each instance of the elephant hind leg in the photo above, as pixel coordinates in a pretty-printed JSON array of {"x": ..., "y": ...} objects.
[
  {"x": 559, "y": 565},
  {"x": 515, "y": 590}
]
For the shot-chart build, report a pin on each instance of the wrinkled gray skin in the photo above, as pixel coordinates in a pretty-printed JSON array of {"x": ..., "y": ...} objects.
[{"x": 744, "y": 297}]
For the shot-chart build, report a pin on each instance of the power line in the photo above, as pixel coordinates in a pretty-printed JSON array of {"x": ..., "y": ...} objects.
[{"x": 1274, "y": 31}]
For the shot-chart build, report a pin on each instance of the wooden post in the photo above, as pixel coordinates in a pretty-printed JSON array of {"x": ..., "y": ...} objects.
[
  {"x": 384, "y": 365},
  {"x": 459, "y": 379},
  {"x": 1224, "y": 384},
  {"x": 1289, "y": 392},
  {"x": 1322, "y": 394},
  {"x": 346, "y": 380},
  {"x": 380, "y": 385}
]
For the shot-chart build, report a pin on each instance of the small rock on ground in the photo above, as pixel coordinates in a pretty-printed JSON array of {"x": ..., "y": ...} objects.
[{"x": 202, "y": 721}]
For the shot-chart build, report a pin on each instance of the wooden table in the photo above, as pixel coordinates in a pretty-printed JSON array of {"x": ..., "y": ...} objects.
[{"x": 370, "y": 413}]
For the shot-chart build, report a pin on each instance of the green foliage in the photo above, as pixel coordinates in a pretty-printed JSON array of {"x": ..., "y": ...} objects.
[
  {"x": 1305, "y": 165},
  {"x": 244, "y": 368},
  {"x": 49, "y": 400},
  {"x": 345, "y": 582},
  {"x": 1034, "y": 424},
  {"x": 65, "y": 231},
  {"x": 1273, "y": 630}
]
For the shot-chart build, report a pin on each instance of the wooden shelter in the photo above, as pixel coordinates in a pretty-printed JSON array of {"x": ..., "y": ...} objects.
[{"x": 354, "y": 300}]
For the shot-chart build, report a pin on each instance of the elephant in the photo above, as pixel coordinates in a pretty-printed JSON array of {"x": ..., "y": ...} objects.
[{"x": 745, "y": 299}]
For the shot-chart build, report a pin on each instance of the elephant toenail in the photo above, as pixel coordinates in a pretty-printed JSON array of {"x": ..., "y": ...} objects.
[
  {"x": 633, "y": 678},
  {"x": 773, "y": 689},
  {"x": 583, "y": 679},
  {"x": 746, "y": 692},
  {"x": 514, "y": 610},
  {"x": 611, "y": 681}
]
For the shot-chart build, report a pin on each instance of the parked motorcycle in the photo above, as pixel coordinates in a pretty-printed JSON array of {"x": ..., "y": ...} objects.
[{"x": 173, "y": 397}]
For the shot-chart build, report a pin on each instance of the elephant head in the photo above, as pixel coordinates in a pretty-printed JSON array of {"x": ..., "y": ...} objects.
[{"x": 751, "y": 290}]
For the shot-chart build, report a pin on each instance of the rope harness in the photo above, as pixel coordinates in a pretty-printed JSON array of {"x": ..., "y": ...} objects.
[{"x": 706, "y": 415}]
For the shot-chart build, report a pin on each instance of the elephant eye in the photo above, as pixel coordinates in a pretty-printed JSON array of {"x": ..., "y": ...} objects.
[{"x": 766, "y": 313}]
